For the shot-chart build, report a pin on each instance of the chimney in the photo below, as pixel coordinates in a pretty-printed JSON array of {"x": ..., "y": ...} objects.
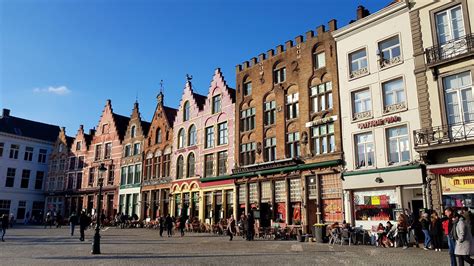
[
  {"x": 362, "y": 12},
  {"x": 92, "y": 131},
  {"x": 63, "y": 129},
  {"x": 6, "y": 112}
]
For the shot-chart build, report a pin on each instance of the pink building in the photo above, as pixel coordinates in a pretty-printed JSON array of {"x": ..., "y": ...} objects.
[{"x": 203, "y": 153}]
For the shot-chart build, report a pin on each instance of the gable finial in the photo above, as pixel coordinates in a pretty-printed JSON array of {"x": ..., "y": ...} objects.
[
  {"x": 189, "y": 77},
  {"x": 161, "y": 86}
]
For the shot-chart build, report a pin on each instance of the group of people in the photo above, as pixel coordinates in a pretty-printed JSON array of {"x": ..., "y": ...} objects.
[
  {"x": 459, "y": 228},
  {"x": 390, "y": 235}
]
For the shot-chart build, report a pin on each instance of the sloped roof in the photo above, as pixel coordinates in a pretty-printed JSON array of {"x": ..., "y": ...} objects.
[
  {"x": 28, "y": 128},
  {"x": 231, "y": 93},
  {"x": 145, "y": 127},
  {"x": 200, "y": 100},
  {"x": 87, "y": 138},
  {"x": 170, "y": 114},
  {"x": 69, "y": 141},
  {"x": 121, "y": 122}
]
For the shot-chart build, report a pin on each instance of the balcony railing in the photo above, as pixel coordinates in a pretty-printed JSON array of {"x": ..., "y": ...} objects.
[
  {"x": 451, "y": 49},
  {"x": 444, "y": 134}
]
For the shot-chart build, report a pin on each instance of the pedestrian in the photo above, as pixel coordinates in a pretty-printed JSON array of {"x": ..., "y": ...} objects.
[
  {"x": 425, "y": 227},
  {"x": 102, "y": 219},
  {"x": 72, "y": 222},
  {"x": 182, "y": 224},
  {"x": 162, "y": 225},
  {"x": 59, "y": 220},
  {"x": 250, "y": 226},
  {"x": 5, "y": 223},
  {"x": 448, "y": 231},
  {"x": 84, "y": 222},
  {"x": 436, "y": 231},
  {"x": 244, "y": 223},
  {"x": 47, "y": 220},
  {"x": 402, "y": 228},
  {"x": 464, "y": 245},
  {"x": 169, "y": 225},
  {"x": 468, "y": 218},
  {"x": 123, "y": 220},
  {"x": 231, "y": 227}
]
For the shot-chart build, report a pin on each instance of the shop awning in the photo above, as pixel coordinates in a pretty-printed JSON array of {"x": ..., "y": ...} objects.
[
  {"x": 383, "y": 170},
  {"x": 288, "y": 169}
]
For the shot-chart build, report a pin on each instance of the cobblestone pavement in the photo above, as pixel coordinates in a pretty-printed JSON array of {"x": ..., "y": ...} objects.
[{"x": 37, "y": 246}]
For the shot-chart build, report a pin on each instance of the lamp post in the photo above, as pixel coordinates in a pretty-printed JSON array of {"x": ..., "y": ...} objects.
[{"x": 96, "y": 243}]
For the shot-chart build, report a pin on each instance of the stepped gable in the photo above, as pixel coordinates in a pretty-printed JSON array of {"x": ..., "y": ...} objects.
[
  {"x": 27, "y": 128},
  {"x": 200, "y": 100},
  {"x": 170, "y": 114}
]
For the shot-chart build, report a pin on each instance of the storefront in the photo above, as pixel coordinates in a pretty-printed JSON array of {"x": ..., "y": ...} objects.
[
  {"x": 185, "y": 198},
  {"x": 378, "y": 196},
  {"x": 219, "y": 193},
  {"x": 457, "y": 184}
]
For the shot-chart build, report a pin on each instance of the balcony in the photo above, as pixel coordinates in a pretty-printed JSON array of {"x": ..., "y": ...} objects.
[
  {"x": 440, "y": 135},
  {"x": 451, "y": 50}
]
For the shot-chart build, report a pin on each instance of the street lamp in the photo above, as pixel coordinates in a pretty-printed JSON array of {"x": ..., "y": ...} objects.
[{"x": 96, "y": 243}]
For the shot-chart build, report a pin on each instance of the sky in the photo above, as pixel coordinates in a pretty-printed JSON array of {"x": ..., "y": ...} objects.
[{"x": 61, "y": 60}]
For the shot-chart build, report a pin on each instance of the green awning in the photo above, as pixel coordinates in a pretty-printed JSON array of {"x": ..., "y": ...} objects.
[
  {"x": 288, "y": 168},
  {"x": 383, "y": 170}
]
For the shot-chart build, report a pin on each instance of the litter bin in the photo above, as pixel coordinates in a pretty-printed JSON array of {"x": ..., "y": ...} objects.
[{"x": 319, "y": 232}]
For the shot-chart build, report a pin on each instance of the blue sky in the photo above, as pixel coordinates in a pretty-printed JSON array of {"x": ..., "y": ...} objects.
[{"x": 61, "y": 60}]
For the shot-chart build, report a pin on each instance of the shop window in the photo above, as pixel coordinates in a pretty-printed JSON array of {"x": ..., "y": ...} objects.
[
  {"x": 242, "y": 194},
  {"x": 266, "y": 192},
  {"x": 252, "y": 193},
  {"x": 377, "y": 205}
]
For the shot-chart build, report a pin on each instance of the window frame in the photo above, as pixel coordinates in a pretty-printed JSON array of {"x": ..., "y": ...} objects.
[
  {"x": 360, "y": 71},
  {"x": 216, "y": 104},
  {"x": 209, "y": 139},
  {"x": 222, "y": 134},
  {"x": 397, "y": 138},
  {"x": 355, "y": 147},
  {"x": 293, "y": 145},
  {"x": 292, "y": 106}
]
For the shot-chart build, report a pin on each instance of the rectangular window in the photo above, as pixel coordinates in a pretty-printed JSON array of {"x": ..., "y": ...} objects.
[
  {"x": 247, "y": 153},
  {"x": 365, "y": 151},
  {"x": 321, "y": 97},
  {"x": 138, "y": 173},
  {"x": 62, "y": 164},
  {"x": 293, "y": 144},
  {"x": 292, "y": 106},
  {"x": 322, "y": 138},
  {"x": 10, "y": 181},
  {"x": 70, "y": 181},
  {"x": 166, "y": 165},
  {"x": 78, "y": 145},
  {"x": 389, "y": 51},
  {"x": 269, "y": 110},
  {"x": 358, "y": 63},
  {"x": 398, "y": 145},
  {"x": 450, "y": 24},
  {"x": 91, "y": 176},
  {"x": 51, "y": 183},
  {"x": 5, "y": 207},
  {"x": 361, "y": 104},
  {"x": 279, "y": 75},
  {"x": 222, "y": 163},
  {"x": 2, "y": 145},
  {"x": 128, "y": 150},
  {"x": 247, "y": 88},
  {"x": 209, "y": 137},
  {"x": 39, "y": 180},
  {"x": 108, "y": 150},
  {"x": 223, "y": 133},
  {"x": 270, "y": 149},
  {"x": 157, "y": 161},
  {"x": 148, "y": 169},
  {"x": 123, "y": 175},
  {"x": 72, "y": 163},
  {"x": 208, "y": 165},
  {"x": 247, "y": 119},
  {"x": 131, "y": 174},
  {"x": 216, "y": 104},
  {"x": 111, "y": 174},
  {"x": 136, "y": 148},
  {"x": 14, "y": 149},
  {"x": 79, "y": 181},
  {"x": 28, "y": 154},
  {"x": 98, "y": 152},
  {"x": 459, "y": 98},
  {"x": 393, "y": 95},
  {"x": 42, "y": 156},
  {"x": 80, "y": 162},
  {"x": 319, "y": 60},
  {"x": 25, "y": 178}
]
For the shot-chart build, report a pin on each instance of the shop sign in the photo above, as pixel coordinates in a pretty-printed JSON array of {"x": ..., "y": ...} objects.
[
  {"x": 322, "y": 121},
  {"x": 453, "y": 170},
  {"x": 379, "y": 122},
  {"x": 457, "y": 183}
]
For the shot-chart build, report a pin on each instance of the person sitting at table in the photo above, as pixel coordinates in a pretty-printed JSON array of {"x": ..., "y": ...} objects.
[{"x": 390, "y": 234}]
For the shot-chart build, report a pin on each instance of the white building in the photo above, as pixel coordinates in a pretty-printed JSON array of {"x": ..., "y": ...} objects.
[
  {"x": 25, "y": 147},
  {"x": 379, "y": 110}
]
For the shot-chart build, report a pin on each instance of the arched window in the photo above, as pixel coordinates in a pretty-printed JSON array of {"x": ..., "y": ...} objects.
[
  {"x": 133, "y": 131},
  {"x": 192, "y": 136},
  {"x": 158, "y": 136},
  {"x": 186, "y": 111},
  {"x": 190, "y": 165},
  {"x": 179, "y": 167},
  {"x": 181, "y": 138}
]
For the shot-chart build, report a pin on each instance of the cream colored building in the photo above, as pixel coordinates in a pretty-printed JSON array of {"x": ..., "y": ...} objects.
[
  {"x": 444, "y": 67},
  {"x": 379, "y": 111}
]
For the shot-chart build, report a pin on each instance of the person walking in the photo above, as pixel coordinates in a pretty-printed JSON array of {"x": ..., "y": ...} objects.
[
  {"x": 47, "y": 220},
  {"x": 448, "y": 231},
  {"x": 59, "y": 220},
  {"x": 250, "y": 226},
  {"x": 436, "y": 231},
  {"x": 162, "y": 225},
  {"x": 182, "y": 224},
  {"x": 5, "y": 223},
  {"x": 231, "y": 227},
  {"x": 72, "y": 222},
  {"x": 464, "y": 243},
  {"x": 402, "y": 227},
  {"x": 169, "y": 225},
  {"x": 425, "y": 227},
  {"x": 84, "y": 222}
]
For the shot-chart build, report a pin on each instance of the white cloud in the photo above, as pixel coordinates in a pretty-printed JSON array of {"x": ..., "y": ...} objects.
[{"x": 61, "y": 90}]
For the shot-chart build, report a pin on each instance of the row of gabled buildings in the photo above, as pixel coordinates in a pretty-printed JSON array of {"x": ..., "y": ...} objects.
[{"x": 357, "y": 123}]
